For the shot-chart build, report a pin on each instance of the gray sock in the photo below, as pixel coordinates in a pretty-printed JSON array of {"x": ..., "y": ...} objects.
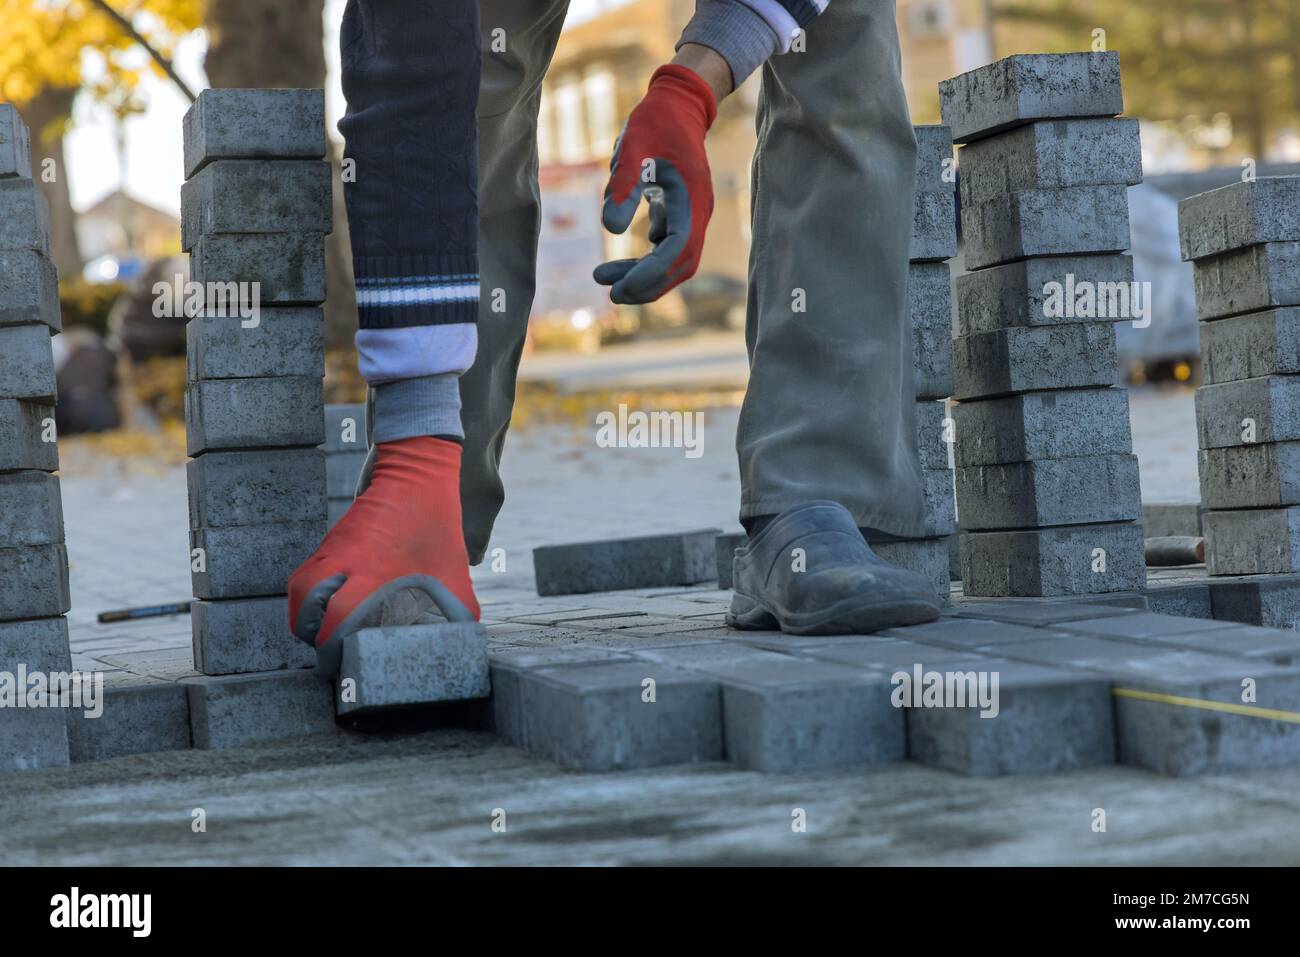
[{"x": 429, "y": 405}]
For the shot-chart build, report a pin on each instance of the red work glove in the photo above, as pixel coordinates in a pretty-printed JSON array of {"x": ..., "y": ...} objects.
[
  {"x": 401, "y": 541},
  {"x": 662, "y": 146}
]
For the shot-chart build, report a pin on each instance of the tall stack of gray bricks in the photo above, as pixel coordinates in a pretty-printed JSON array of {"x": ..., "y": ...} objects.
[
  {"x": 929, "y": 299},
  {"x": 255, "y": 209},
  {"x": 1244, "y": 244},
  {"x": 1047, "y": 485},
  {"x": 345, "y": 454},
  {"x": 33, "y": 560}
]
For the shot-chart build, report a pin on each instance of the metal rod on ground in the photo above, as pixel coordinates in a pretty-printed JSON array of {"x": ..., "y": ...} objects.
[
  {"x": 146, "y": 611},
  {"x": 1175, "y": 550}
]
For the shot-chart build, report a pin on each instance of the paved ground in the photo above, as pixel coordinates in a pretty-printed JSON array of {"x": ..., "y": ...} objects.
[{"x": 431, "y": 797}]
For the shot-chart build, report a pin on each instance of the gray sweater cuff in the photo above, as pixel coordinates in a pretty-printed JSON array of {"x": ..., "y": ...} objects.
[
  {"x": 429, "y": 405},
  {"x": 733, "y": 31}
]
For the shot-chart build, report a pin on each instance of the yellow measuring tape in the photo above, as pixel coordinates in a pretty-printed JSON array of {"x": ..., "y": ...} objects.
[{"x": 1250, "y": 711}]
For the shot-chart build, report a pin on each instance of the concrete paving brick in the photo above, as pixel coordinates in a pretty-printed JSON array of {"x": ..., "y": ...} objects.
[
  {"x": 1251, "y": 346},
  {"x": 1188, "y": 601},
  {"x": 416, "y": 665},
  {"x": 783, "y": 714},
  {"x": 252, "y": 413},
  {"x": 1076, "y": 491},
  {"x": 1247, "y": 280},
  {"x": 24, "y": 217},
  {"x": 1045, "y": 222},
  {"x": 1033, "y": 358},
  {"x": 285, "y": 342},
  {"x": 595, "y": 717},
  {"x": 254, "y": 124},
  {"x": 342, "y": 472},
  {"x": 251, "y": 561},
  {"x": 34, "y": 582},
  {"x": 934, "y": 227},
  {"x": 725, "y": 549},
  {"x": 1263, "y": 541},
  {"x": 41, "y": 644},
  {"x": 237, "y": 710},
  {"x": 645, "y": 562},
  {"x": 1251, "y": 476},
  {"x": 1021, "y": 89},
  {"x": 29, "y": 289},
  {"x": 255, "y": 196},
  {"x": 345, "y": 427},
  {"x": 1264, "y": 210},
  {"x": 934, "y": 160},
  {"x": 256, "y": 487},
  {"x": 27, "y": 369},
  {"x": 1040, "y": 612},
  {"x": 1047, "y": 720},
  {"x": 1054, "y": 561},
  {"x": 1139, "y": 626},
  {"x": 246, "y": 635},
  {"x": 15, "y": 144},
  {"x": 289, "y": 268},
  {"x": 1163, "y": 519},
  {"x": 336, "y": 509},
  {"x": 940, "y": 502},
  {"x": 140, "y": 716},
  {"x": 31, "y": 509},
  {"x": 1272, "y": 601},
  {"x": 888, "y": 655},
  {"x": 931, "y": 434},
  {"x": 33, "y": 739},
  {"x": 928, "y": 557},
  {"x": 1052, "y": 155},
  {"x": 954, "y": 558},
  {"x": 1249, "y": 411},
  {"x": 929, "y": 294},
  {"x": 1046, "y": 291},
  {"x": 1046, "y": 425},
  {"x": 964, "y": 634}
]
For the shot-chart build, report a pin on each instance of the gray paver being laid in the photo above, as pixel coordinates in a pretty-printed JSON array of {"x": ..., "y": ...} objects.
[
  {"x": 1027, "y": 87},
  {"x": 1045, "y": 425},
  {"x": 1074, "y": 491},
  {"x": 345, "y": 427},
  {"x": 15, "y": 144},
  {"x": 256, "y": 487},
  {"x": 1250, "y": 346},
  {"x": 336, "y": 509},
  {"x": 1262, "y": 541},
  {"x": 415, "y": 665},
  {"x": 289, "y": 268},
  {"x": 24, "y": 217},
  {"x": 27, "y": 371},
  {"x": 1062, "y": 560},
  {"x": 1045, "y": 222},
  {"x": 31, "y": 509},
  {"x": 1045, "y": 291},
  {"x": 934, "y": 227},
  {"x": 1248, "y": 411},
  {"x": 236, "y": 710},
  {"x": 284, "y": 341},
  {"x": 603, "y": 716},
  {"x": 342, "y": 474},
  {"x": 645, "y": 562},
  {"x": 253, "y": 413},
  {"x": 254, "y": 124},
  {"x": 29, "y": 289},
  {"x": 1251, "y": 476},
  {"x": 249, "y": 561},
  {"x": 1030, "y": 358},
  {"x": 256, "y": 196},
  {"x": 1263, "y": 210},
  {"x": 1034, "y": 720},
  {"x": 1247, "y": 280},
  {"x": 140, "y": 715},
  {"x": 34, "y": 582},
  {"x": 1272, "y": 601},
  {"x": 1052, "y": 155},
  {"x": 237, "y": 636}
]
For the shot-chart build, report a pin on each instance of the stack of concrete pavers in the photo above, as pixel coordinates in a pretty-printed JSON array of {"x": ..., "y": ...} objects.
[
  {"x": 929, "y": 299},
  {"x": 34, "y": 593},
  {"x": 255, "y": 209},
  {"x": 345, "y": 454},
  {"x": 1244, "y": 243},
  {"x": 1047, "y": 485}
]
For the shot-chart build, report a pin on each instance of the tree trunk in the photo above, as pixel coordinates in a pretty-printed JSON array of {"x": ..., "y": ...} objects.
[
  {"x": 44, "y": 116},
  {"x": 281, "y": 43}
]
